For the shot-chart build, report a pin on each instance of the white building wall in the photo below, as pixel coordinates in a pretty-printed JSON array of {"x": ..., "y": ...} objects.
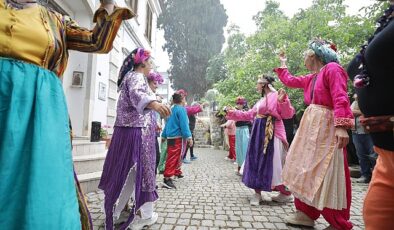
[
  {"x": 83, "y": 102},
  {"x": 101, "y": 100},
  {"x": 75, "y": 96}
]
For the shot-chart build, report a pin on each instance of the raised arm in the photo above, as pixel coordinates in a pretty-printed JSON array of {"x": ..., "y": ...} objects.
[
  {"x": 192, "y": 110},
  {"x": 238, "y": 115},
  {"x": 292, "y": 81},
  {"x": 100, "y": 39}
]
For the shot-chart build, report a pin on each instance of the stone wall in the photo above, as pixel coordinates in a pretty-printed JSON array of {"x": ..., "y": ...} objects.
[
  {"x": 201, "y": 133},
  {"x": 217, "y": 136}
]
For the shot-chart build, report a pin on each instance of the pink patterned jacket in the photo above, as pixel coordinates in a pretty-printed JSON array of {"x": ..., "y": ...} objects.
[
  {"x": 330, "y": 90},
  {"x": 279, "y": 110}
]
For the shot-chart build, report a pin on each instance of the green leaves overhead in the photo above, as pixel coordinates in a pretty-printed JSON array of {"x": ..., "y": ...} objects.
[{"x": 247, "y": 57}]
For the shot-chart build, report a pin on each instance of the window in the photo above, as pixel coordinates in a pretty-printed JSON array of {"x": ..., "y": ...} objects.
[
  {"x": 134, "y": 5},
  {"x": 148, "y": 28}
]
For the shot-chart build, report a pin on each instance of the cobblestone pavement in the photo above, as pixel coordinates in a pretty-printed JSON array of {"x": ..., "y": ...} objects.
[{"x": 211, "y": 196}]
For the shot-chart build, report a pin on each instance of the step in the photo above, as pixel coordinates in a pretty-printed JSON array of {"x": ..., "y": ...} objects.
[
  {"x": 89, "y": 182},
  {"x": 81, "y": 138},
  {"x": 85, "y": 147},
  {"x": 89, "y": 163}
]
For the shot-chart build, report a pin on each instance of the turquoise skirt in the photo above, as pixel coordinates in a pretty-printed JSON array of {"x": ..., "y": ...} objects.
[
  {"x": 241, "y": 143},
  {"x": 37, "y": 189}
]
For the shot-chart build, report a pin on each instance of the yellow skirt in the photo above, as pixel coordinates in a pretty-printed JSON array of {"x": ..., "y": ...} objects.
[{"x": 314, "y": 170}]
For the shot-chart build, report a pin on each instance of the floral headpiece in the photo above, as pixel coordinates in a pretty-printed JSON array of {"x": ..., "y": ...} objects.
[
  {"x": 141, "y": 56},
  {"x": 326, "y": 51},
  {"x": 240, "y": 101},
  {"x": 181, "y": 92},
  {"x": 154, "y": 76}
]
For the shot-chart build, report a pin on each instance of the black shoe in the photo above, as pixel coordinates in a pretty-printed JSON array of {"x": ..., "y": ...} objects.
[
  {"x": 167, "y": 183},
  {"x": 180, "y": 176}
]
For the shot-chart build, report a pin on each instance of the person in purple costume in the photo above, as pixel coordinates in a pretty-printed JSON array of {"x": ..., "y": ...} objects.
[{"x": 129, "y": 169}]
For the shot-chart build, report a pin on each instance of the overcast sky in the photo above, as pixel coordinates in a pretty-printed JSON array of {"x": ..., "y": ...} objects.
[{"x": 241, "y": 13}]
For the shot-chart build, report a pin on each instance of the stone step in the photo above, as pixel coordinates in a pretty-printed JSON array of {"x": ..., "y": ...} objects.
[
  {"x": 81, "y": 138},
  {"x": 85, "y": 147},
  {"x": 89, "y": 163},
  {"x": 89, "y": 181}
]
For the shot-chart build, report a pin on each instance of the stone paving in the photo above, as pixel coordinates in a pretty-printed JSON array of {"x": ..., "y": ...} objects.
[{"x": 211, "y": 196}]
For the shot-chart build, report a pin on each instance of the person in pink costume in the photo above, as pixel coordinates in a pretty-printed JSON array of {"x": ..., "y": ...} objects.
[
  {"x": 266, "y": 151},
  {"x": 316, "y": 170}
]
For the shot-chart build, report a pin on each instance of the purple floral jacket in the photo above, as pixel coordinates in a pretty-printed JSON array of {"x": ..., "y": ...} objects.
[{"x": 135, "y": 95}]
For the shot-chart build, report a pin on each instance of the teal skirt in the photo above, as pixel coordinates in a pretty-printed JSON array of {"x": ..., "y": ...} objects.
[
  {"x": 241, "y": 143},
  {"x": 37, "y": 189}
]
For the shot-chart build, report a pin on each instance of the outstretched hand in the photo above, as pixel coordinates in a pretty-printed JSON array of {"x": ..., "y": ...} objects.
[
  {"x": 228, "y": 109},
  {"x": 162, "y": 109},
  {"x": 281, "y": 95},
  {"x": 205, "y": 104}
]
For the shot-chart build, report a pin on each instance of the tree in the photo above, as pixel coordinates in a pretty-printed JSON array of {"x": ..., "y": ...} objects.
[
  {"x": 276, "y": 32},
  {"x": 193, "y": 31},
  {"x": 216, "y": 69}
]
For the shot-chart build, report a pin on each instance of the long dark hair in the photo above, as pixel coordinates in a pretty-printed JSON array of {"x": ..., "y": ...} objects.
[
  {"x": 128, "y": 65},
  {"x": 270, "y": 81}
]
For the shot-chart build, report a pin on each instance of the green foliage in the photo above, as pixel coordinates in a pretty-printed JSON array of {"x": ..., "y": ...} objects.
[
  {"x": 103, "y": 133},
  {"x": 193, "y": 31},
  {"x": 216, "y": 70},
  {"x": 211, "y": 95},
  {"x": 247, "y": 57}
]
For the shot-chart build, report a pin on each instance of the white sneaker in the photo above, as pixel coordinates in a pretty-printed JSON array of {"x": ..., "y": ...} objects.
[
  {"x": 280, "y": 198},
  {"x": 139, "y": 223},
  {"x": 300, "y": 218},
  {"x": 266, "y": 197},
  {"x": 235, "y": 163},
  {"x": 255, "y": 199},
  {"x": 227, "y": 159}
]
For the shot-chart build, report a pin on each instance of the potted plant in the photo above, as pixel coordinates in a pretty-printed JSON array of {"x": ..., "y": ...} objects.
[{"x": 104, "y": 135}]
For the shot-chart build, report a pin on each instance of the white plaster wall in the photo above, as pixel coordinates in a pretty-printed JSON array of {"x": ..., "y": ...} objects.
[
  {"x": 75, "y": 96},
  {"x": 100, "y": 106},
  {"x": 79, "y": 62}
]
